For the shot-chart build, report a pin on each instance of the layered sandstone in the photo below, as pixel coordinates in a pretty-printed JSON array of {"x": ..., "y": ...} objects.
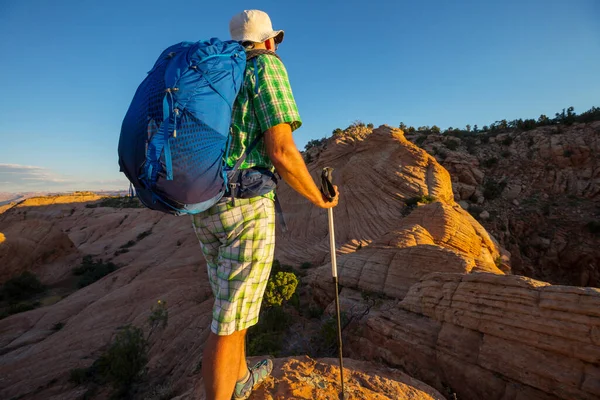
[
  {"x": 377, "y": 173},
  {"x": 487, "y": 336}
]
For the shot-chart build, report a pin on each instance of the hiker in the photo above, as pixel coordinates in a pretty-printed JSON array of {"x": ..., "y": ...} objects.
[{"x": 238, "y": 237}]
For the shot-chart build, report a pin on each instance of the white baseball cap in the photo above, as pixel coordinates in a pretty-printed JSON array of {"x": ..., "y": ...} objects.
[{"x": 253, "y": 26}]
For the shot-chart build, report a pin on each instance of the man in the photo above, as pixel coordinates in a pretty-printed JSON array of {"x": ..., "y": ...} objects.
[{"x": 238, "y": 239}]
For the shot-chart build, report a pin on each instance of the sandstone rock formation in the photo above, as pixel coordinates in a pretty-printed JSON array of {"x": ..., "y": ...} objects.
[
  {"x": 33, "y": 245},
  {"x": 486, "y": 336},
  {"x": 461, "y": 331},
  {"x": 540, "y": 190},
  {"x": 305, "y": 378},
  {"x": 377, "y": 174}
]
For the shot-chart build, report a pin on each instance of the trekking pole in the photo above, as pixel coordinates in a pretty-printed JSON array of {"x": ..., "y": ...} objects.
[{"x": 329, "y": 193}]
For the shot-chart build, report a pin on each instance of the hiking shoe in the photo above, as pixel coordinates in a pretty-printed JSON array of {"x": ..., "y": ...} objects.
[{"x": 258, "y": 373}]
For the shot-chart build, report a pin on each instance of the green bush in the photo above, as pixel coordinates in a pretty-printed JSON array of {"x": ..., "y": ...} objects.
[
  {"x": 267, "y": 336},
  {"x": 79, "y": 376},
  {"x": 593, "y": 227},
  {"x": 144, "y": 235},
  {"x": 493, "y": 189},
  {"x": 129, "y": 244},
  {"x": 121, "y": 251},
  {"x": 305, "y": 265},
  {"x": 325, "y": 343},
  {"x": 420, "y": 140},
  {"x": 567, "y": 153},
  {"x": 423, "y": 199},
  {"x": 21, "y": 287},
  {"x": 124, "y": 362},
  {"x": 91, "y": 271},
  {"x": 22, "y": 307},
  {"x": 452, "y": 144},
  {"x": 490, "y": 162},
  {"x": 280, "y": 288},
  {"x": 121, "y": 202}
]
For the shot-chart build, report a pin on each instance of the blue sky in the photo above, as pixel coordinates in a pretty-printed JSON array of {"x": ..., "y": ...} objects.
[{"x": 69, "y": 69}]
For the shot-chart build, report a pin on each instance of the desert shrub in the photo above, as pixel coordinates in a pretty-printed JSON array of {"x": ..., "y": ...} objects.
[
  {"x": 413, "y": 202},
  {"x": 490, "y": 162},
  {"x": 319, "y": 142},
  {"x": 471, "y": 145},
  {"x": 124, "y": 361},
  {"x": 21, "y": 287},
  {"x": 420, "y": 140},
  {"x": 315, "y": 312},
  {"x": 370, "y": 126},
  {"x": 91, "y": 271},
  {"x": 159, "y": 317},
  {"x": 325, "y": 343},
  {"x": 305, "y": 265},
  {"x": 423, "y": 199},
  {"x": 593, "y": 227},
  {"x": 507, "y": 141},
  {"x": 484, "y": 139},
  {"x": 17, "y": 308},
  {"x": 129, "y": 244},
  {"x": 58, "y": 326},
  {"x": 79, "y": 376},
  {"x": 593, "y": 114},
  {"x": 267, "y": 336},
  {"x": 452, "y": 144},
  {"x": 568, "y": 153},
  {"x": 280, "y": 288},
  {"x": 120, "y": 202},
  {"x": 144, "y": 234},
  {"x": 493, "y": 189},
  {"x": 505, "y": 154},
  {"x": 442, "y": 155}
]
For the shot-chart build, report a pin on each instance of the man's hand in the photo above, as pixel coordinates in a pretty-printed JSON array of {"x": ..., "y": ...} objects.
[
  {"x": 330, "y": 203},
  {"x": 289, "y": 164}
]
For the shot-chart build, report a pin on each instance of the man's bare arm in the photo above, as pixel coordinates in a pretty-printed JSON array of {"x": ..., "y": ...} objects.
[{"x": 289, "y": 164}]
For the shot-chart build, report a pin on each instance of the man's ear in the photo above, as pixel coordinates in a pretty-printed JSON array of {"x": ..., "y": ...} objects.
[{"x": 269, "y": 44}]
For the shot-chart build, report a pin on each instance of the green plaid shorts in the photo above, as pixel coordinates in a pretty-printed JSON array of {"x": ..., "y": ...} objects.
[{"x": 238, "y": 243}]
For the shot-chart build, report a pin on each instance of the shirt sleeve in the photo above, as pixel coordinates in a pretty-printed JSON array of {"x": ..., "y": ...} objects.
[{"x": 274, "y": 104}]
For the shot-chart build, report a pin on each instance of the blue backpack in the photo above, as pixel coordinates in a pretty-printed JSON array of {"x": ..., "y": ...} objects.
[{"x": 175, "y": 135}]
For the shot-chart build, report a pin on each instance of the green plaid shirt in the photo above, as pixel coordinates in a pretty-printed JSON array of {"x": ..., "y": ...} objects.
[{"x": 253, "y": 113}]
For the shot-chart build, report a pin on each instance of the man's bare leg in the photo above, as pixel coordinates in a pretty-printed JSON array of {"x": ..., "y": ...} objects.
[{"x": 221, "y": 363}]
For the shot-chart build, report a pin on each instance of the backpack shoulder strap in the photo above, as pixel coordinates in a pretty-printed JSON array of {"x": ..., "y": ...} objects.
[{"x": 251, "y": 55}]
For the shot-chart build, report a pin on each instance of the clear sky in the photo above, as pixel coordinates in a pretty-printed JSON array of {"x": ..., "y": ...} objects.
[{"x": 69, "y": 68}]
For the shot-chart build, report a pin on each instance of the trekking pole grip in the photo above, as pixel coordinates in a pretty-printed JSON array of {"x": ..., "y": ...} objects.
[{"x": 327, "y": 183}]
